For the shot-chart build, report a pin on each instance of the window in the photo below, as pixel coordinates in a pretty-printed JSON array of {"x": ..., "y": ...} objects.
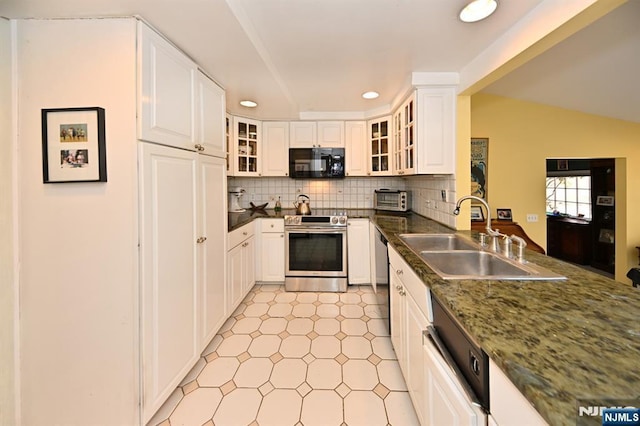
[{"x": 569, "y": 195}]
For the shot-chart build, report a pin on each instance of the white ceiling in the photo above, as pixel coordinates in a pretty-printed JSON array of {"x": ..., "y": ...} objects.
[{"x": 305, "y": 58}]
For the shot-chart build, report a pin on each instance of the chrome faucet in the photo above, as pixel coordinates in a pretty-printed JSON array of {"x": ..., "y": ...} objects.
[
  {"x": 490, "y": 231},
  {"x": 494, "y": 235}
]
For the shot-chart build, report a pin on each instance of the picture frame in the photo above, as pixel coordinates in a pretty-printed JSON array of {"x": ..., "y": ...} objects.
[
  {"x": 476, "y": 214},
  {"x": 563, "y": 164},
  {"x": 73, "y": 145},
  {"x": 479, "y": 166},
  {"x": 606, "y": 236},
  {"x": 605, "y": 200},
  {"x": 505, "y": 214}
]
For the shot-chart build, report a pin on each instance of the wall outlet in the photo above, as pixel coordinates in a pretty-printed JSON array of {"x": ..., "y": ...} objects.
[{"x": 531, "y": 217}]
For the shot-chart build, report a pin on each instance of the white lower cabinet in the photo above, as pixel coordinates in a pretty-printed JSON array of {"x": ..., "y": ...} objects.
[
  {"x": 241, "y": 274},
  {"x": 212, "y": 229},
  {"x": 507, "y": 402},
  {"x": 445, "y": 401},
  {"x": 358, "y": 248},
  {"x": 410, "y": 315},
  {"x": 271, "y": 258},
  {"x": 182, "y": 263},
  {"x": 169, "y": 304}
]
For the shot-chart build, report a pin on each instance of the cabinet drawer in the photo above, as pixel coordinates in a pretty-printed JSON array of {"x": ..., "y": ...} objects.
[
  {"x": 237, "y": 236},
  {"x": 412, "y": 283},
  {"x": 272, "y": 225}
]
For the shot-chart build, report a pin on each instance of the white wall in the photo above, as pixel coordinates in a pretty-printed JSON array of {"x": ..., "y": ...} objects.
[
  {"x": 8, "y": 284},
  {"x": 78, "y": 241}
]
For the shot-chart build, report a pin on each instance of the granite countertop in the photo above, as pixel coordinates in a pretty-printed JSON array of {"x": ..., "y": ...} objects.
[{"x": 558, "y": 341}]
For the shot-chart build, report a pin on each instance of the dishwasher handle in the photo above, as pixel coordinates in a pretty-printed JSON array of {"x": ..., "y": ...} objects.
[{"x": 432, "y": 334}]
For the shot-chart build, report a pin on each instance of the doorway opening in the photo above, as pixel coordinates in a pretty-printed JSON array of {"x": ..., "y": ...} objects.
[{"x": 581, "y": 204}]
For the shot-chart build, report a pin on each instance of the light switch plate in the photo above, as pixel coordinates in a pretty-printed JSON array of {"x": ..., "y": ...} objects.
[{"x": 531, "y": 217}]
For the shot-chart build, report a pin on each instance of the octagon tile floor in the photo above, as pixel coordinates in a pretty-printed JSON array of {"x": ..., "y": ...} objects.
[{"x": 299, "y": 359}]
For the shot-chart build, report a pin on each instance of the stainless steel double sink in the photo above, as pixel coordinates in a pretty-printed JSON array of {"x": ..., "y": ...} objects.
[{"x": 452, "y": 256}]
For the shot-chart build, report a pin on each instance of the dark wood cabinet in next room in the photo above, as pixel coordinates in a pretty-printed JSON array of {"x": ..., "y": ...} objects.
[{"x": 569, "y": 239}]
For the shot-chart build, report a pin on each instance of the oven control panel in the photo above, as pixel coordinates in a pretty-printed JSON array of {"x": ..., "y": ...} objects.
[{"x": 315, "y": 221}]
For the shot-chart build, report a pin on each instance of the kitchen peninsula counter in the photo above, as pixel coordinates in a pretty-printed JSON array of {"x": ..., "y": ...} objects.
[{"x": 558, "y": 341}]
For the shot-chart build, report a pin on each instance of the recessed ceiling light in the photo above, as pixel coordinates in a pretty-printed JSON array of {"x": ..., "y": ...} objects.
[
  {"x": 477, "y": 10},
  {"x": 248, "y": 104},
  {"x": 370, "y": 95}
]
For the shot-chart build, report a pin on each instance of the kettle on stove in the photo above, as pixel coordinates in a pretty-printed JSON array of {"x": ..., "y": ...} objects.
[{"x": 303, "y": 207}]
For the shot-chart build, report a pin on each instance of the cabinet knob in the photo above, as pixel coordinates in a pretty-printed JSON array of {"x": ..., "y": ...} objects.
[
  {"x": 281, "y": 235},
  {"x": 399, "y": 272},
  {"x": 201, "y": 240},
  {"x": 199, "y": 147},
  {"x": 398, "y": 287},
  {"x": 244, "y": 233}
]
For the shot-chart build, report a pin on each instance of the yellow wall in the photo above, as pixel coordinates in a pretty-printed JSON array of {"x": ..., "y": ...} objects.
[{"x": 522, "y": 135}]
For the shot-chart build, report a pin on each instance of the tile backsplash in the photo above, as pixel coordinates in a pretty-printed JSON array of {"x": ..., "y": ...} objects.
[
  {"x": 352, "y": 193},
  {"x": 426, "y": 193}
]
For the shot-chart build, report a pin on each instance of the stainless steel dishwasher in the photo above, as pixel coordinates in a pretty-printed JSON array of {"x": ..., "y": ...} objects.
[{"x": 382, "y": 276}]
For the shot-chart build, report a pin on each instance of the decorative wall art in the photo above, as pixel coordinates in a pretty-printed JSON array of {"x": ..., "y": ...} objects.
[
  {"x": 479, "y": 166},
  {"x": 73, "y": 145},
  {"x": 476, "y": 214},
  {"x": 604, "y": 200},
  {"x": 504, "y": 214}
]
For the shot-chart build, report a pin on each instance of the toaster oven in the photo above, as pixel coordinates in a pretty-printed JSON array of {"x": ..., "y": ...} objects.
[{"x": 392, "y": 200}]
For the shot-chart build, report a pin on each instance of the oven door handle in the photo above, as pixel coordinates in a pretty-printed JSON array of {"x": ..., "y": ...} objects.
[
  {"x": 431, "y": 334},
  {"x": 314, "y": 230}
]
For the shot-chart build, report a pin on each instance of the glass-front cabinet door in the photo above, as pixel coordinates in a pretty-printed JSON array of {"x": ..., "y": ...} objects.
[
  {"x": 404, "y": 138},
  {"x": 408, "y": 130},
  {"x": 229, "y": 147},
  {"x": 247, "y": 147},
  {"x": 397, "y": 142},
  {"x": 380, "y": 146}
]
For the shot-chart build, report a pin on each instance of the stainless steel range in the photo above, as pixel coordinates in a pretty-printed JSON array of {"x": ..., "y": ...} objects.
[{"x": 316, "y": 251}]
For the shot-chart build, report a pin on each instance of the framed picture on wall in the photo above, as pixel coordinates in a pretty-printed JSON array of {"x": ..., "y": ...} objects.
[
  {"x": 476, "y": 214},
  {"x": 504, "y": 214},
  {"x": 73, "y": 145},
  {"x": 606, "y": 236},
  {"x": 604, "y": 200},
  {"x": 479, "y": 166}
]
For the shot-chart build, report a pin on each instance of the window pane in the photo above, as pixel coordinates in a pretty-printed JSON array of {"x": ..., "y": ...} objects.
[
  {"x": 585, "y": 209},
  {"x": 584, "y": 196},
  {"x": 572, "y": 209}
]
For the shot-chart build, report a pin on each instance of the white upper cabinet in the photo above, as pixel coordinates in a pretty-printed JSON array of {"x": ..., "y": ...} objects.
[
  {"x": 404, "y": 141},
  {"x": 330, "y": 134},
  {"x": 275, "y": 137},
  {"x": 379, "y": 146},
  {"x": 210, "y": 117},
  {"x": 424, "y": 132},
  {"x": 436, "y": 116},
  {"x": 303, "y": 134},
  {"x": 166, "y": 98},
  {"x": 356, "y": 148},
  {"x": 247, "y": 147}
]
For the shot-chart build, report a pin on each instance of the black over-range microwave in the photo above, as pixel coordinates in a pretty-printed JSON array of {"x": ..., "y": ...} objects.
[{"x": 310, "y": 163}]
